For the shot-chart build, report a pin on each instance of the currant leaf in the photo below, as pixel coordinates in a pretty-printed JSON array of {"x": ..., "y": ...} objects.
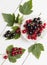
[
  {"x": 12, "y": 59},
  {"x": 9, "y": 19},
  {"x": 36, "y": 49},
  {"x": 26, "y": 8},
  {"x": 9, "y": 48}
]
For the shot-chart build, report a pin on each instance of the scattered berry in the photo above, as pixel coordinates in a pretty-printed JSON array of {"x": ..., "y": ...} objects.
[
  {"x": 24, "y": 31},
  {"x": 5, "y": 57}
]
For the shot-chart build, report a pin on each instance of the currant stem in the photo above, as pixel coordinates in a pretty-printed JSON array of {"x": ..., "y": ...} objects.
[
  {"x": 3, "y": 62},
  {"x": 26, "y": 58}
]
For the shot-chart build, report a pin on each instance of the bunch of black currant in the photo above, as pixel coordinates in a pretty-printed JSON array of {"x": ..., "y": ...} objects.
[{"x": 10, "y": 35}]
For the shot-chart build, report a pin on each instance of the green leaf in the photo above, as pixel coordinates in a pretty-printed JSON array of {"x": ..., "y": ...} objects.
[
  {"x": 26, "y": 8},
  {"x": 9, "y": 48},
  {"x": 36, "y": 49},
  {"x": 17, "y": 18},
  {"x": 20, "y": 20},
  {"x": 14, "y": 28},
  {"x": 41, "y": 47},
  {"x": 17, "y": 36},
  {"x": 12, "y": 58},
  {"x": 9, "y": 18}
]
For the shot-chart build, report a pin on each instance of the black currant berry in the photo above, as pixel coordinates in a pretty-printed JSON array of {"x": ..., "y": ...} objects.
[
  {"x": 38, "y": 18},
  {"x": 40, "y": 22},
  {"x": 8, "y": 32}
]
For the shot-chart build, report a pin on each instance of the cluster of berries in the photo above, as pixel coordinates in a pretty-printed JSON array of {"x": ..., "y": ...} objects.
[
  {"x": 15, "y": 51},
  {"x": 33, "y": 28},
  {"x": 10, "y": 35}
]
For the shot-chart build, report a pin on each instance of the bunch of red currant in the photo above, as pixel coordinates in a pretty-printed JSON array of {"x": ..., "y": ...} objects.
[
  {"x": 16, "y": 51},
  {"x": 33, "y": 28}
]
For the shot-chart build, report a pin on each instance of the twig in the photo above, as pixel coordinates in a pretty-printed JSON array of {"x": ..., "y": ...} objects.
[
  {"x": 3, "y": 62},
  {"x": 26, "y": 58},
  {"x": 3, "y": 31}
]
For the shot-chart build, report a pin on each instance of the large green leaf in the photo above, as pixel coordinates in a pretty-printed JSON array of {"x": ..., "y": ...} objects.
[
  {"x": 26, "y": 8},
  {"x": 9, "y": 48},
  {"x": 9, "y": 18},
  {"x": 36, "y": 49}
]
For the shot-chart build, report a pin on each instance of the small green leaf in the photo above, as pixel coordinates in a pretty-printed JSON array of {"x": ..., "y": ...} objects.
[
  {"x": 36, "y": 49},
  {"x": 17, "y": 36},
  {"x": 20, "y": 20},
  {"x": 9, "y": 18},
  {"x": 12, "y": 58},
  {"x": 9, "y": 48},
  {"x": 17, "y": 18},
  {"x": 26, "y": 8},
  {"x": 14, "y": 28}
]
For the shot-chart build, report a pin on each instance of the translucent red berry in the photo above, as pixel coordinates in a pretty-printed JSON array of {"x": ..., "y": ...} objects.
[
  {"x": 18, "y": 30},
  {"x": 20, "y": 48},
  {"x": 5, "y": 57},
  {"x": 14, "y": 49},
  {"x": 24, "y": 31},
  {"x": 29, "y": 37},
  {"x": 29, "y": 21}
]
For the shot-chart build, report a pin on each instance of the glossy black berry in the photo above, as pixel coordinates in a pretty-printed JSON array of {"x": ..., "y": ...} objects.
[
  {"x": 38, "y": 18},
  {"x": 40, "y": 22},
  {"x": 8, "y": 32},
  {"x": 11, "y": 36},
  {"x": 35, "y": 27},
  {"x": 5, "y": 35}
]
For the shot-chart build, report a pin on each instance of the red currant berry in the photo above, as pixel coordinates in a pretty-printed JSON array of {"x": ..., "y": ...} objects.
[
  {"x": 18, "y": 30},
  {"x": 29, "y": 21},
  {"x": 16, "y": 53},
  {"x": 24, "y": 25},
  {"x": 44, "y": 24},
  {"x": 35, "y": 38},
  {"x": 29, "y": 37},
  {"x": 14, "y": 49},
  {"x": 24, "y": 31},
  {"x": 20, "y": 48},
  {"x": 20, "y": 52},
  {"x": 13, "y": 54},
  {"x": 5, "y": 57}
]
